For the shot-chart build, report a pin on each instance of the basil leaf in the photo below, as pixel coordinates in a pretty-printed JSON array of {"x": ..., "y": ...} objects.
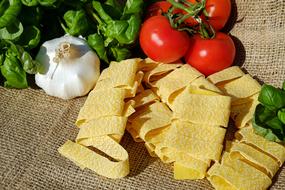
[
  {"x": 10, "y": 14},
  {"x": 276, "y": 125},
  {"x": 12, "y": 31},
  {"x": 104, "y": 16},
  {"x": 76, "y": 21},
  {"x": 30, "y": 38},
  {"x": 2, "y": 58},
  {"x": 264, "y": 114},
  {"x": 283, "y": 86},
  {"x": 30, "y": 3},
  {"x": 114, "y": 8},
  {"x": 116, "y": 29},
  {"x": 29, "y": 65},
  {"x": 281, "y": 115},
  {"x": 133, "y": 29},
  {"x": 125, "y": 31},
  {"x": 13, "y": 73},
  {"x": 271, "y": 97},
  {"x": 133, "y": 7},
  {"x": 96, "y": 42},
  {"x": 50, "y": 3},
  {"x": 262, "y": 129},
  {"x": 120, "y": 53}
]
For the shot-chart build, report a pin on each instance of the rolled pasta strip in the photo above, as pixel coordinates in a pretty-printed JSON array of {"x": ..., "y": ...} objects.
[
  {"x": 234, "y": 174},
  {"x": 158, "y": 72},
  {"x": 273, "y": 149},
  {"x": 259, "y": 160}
]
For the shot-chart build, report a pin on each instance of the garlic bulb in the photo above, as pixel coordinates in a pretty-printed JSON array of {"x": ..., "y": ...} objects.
[{"x": 71, "y": 67}]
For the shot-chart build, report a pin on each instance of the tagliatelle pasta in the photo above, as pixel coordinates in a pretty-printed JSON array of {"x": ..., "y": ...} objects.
[
  {"x": 250, "y": 161},
  {"x": 102, "y": 121},
  {"x": 183, "y": 135},
  {"x": 182, "y": 118}
]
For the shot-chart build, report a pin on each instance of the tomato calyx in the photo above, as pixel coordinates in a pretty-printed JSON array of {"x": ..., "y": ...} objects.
[{"x": 187, "y": 10}]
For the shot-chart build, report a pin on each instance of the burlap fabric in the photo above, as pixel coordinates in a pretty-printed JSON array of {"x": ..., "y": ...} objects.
[{"x": 33, "y": 125}]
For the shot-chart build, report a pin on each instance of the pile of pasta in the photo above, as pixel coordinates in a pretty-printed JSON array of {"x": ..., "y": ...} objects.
[{"x": 182, "y": 118}]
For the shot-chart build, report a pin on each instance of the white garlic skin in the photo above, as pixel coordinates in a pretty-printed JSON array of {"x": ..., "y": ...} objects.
[{"x": 73, "y": 77}]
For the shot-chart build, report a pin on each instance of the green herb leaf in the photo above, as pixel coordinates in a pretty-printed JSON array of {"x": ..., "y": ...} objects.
[
  {"x": 96, "y": 42},
  {"x": 281, "y": 115},
  {"x": 120, "y": 53},
  {"x": 50, "y": 3},
  {"x": 2, "y": 58},
  {"x": 10, "y": 14},
  {"x": 283, "y": 86},
  {"x": 12, "y": 31},
  {"x": 263, "y": 129},
  {"x": 29, "y": 65},
  {"x": 118, "y": 33},
  {"x": 276, "y": 125},
  {"x": 13, "y": 72},
  {"x": 114, "y": 8},
  {"x": 76, "y": 21},
  {"x": 104, "y": 16},
  {"x": 116, "y": 29},
  {"x": 133, "y": 7},
  {"x": 30, "y": 3},
  {"x": 271, "y": 97},
  {"x": 264, "y": 114}
]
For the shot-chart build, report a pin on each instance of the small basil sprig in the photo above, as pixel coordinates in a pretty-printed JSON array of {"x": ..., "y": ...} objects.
[
  {"x": 117, "y": 30},
  {"x": 269, "y": 116},
  {"x": 12, "y": 71},
  {"x": 76, "y": 21},
  {"x": 15, "y": 62},
  {"x": 96, "y": 42}
]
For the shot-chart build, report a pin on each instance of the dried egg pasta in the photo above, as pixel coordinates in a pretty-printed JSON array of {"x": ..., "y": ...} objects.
[{"x": 103, "y": 119}]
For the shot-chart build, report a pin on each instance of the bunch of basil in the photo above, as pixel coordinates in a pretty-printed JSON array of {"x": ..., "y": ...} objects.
[
  {"x": 117, "y": 29},
  {"x": 110, "y": 26},
  {"x": 18, "y": 35},
  {"x": 269, "y": 117}
]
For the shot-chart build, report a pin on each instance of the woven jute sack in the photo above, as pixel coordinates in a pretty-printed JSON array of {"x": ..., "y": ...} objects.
[{"x": 33, "y": 125}]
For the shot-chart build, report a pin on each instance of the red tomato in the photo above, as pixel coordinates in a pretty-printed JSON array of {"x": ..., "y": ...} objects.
[
  {"x": 219, "y": 13},
  {"x": 211, "y": 55},
  {"x": 218, "y": 10},
  {"x": 158, "y": 8},
  {"x": 161, "y": 42}
]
